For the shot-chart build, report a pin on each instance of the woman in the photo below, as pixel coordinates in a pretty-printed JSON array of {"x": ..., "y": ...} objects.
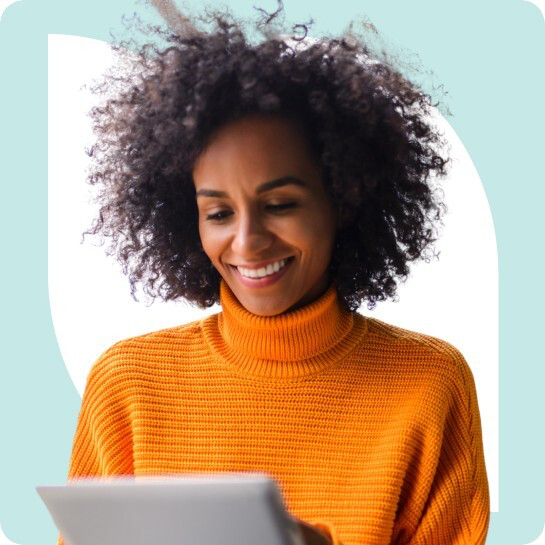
[{"x": 289, "y": 183}]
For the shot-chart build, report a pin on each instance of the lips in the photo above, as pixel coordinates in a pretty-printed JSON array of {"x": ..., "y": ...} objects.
[
  {"x": 265, "y": 281},
  {"x": 262, "y": 265}
]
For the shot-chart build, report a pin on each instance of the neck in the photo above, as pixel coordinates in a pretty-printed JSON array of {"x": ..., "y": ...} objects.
[
  {"x": 314, "y": 294},
  {"x": 290, "y": 345}
]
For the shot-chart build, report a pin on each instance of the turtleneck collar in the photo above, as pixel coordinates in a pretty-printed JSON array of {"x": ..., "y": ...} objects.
[{"x": 287, "y": 346}]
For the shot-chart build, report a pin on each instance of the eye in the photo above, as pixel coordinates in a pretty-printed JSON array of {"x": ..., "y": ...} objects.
[
  {"x": 282, "y": 206},
  {"x": 220, "y": 215},
  {"x": 216, "y": 217}
]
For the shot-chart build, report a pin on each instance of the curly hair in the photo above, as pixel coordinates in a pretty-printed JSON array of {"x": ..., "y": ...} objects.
[{"x": 366, "y": 124}]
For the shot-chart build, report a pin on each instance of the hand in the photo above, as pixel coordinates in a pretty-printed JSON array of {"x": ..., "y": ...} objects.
[{"x": 311, "y": 534}]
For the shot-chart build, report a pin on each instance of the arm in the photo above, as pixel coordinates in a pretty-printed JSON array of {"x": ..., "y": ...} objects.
[
  {"x": 455, "y": 509},
  {"x": 331, "y": 532},
  {"x": 102, "y": 444},
  {"x": 319, "y": 533}
]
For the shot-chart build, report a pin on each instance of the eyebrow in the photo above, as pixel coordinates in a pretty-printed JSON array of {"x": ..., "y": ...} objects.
[{"x": 267, "y": 186}]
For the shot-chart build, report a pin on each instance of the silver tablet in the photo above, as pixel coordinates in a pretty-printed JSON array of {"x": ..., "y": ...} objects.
[{"x": 181, "y": 509}]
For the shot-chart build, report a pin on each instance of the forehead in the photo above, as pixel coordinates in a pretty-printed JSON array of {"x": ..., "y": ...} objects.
[{"x": 255, "y": 149}]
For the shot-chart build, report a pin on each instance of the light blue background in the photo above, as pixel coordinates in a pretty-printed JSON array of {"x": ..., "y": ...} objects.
[{"x": 489, "y": 56}]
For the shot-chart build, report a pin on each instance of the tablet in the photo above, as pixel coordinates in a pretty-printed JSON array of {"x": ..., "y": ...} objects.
[{"x": 181, "y": 509}]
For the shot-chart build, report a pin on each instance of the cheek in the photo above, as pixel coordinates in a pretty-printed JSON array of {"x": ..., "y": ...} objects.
[
  {"x": 322, "y": 236},
  {"x": 204, "y": 238},
  {"x": 313, "y": 233},
  {"x": 210, "y": 242},
  {"x": 322, "y": 226}
]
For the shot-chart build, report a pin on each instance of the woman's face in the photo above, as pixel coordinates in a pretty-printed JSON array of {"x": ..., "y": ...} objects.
[{"x": 261, "y": 200}]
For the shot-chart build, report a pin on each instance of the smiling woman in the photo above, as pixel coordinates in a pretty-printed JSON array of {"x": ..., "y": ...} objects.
[{"x": 290, "y": 182}]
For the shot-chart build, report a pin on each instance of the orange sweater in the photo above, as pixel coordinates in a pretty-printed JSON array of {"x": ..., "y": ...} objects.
[{"x": 371, "y": 431}]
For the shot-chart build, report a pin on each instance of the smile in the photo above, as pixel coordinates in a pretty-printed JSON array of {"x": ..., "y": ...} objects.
[{"x": 259, "y": 282}]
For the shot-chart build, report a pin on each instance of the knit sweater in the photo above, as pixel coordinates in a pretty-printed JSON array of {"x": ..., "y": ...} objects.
[{"x": 371, "y": 431}]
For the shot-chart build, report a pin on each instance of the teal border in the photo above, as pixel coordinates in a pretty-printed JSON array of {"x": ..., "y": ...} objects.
[{"x": 487, "y": 55}]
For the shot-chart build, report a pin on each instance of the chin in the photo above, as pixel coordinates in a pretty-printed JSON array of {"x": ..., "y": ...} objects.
[{"x": 265, "y": 306}]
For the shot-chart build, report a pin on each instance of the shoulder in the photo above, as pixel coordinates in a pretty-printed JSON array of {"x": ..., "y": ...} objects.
[
  {"x": 427, "y": 367},
  {"x": 168, "y": 337},
  {"x": 420, "y": 349},
  {"x": 153, "y": 348}
]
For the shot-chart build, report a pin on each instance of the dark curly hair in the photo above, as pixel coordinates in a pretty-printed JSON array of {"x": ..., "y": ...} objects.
[{"x": 366, "y": 123}]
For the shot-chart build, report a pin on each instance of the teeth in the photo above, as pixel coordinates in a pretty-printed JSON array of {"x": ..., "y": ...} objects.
[{"x": 264, "y": 271}]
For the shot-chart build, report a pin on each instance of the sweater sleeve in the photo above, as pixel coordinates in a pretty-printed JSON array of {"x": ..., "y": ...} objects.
[
  {"x": 329, "y": 530},
  {"x": 456, "y": 510},
  {"x": 102, "y": 444}
]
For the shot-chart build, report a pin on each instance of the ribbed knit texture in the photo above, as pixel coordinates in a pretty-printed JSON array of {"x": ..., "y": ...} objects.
[{"x": 372, "y": 432}]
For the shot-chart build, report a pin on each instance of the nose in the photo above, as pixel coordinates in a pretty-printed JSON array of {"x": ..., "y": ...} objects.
[{"x": 252, "y": 236}]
